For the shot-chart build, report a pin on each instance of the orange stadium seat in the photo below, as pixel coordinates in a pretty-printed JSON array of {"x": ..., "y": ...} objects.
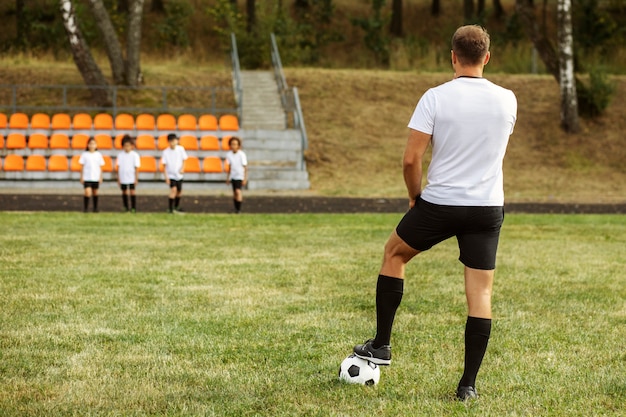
[
  {"x": 16, "y": 141},
  {"x": 187, "y": 122},
  {"x": 103, "y": 121},
  {"x": 108, "y": 164},
  {"x": 40, "y": 121},
  {"x": 35, "y": 163},
  {"x": 212, "y": 164},
  {"x": 166, "y": 122},
  {"x": 192, "y": 165},
  {"x": 225, "y": 144},
  {"x": 145, "y": 121},
  {"x": 162, "y": 142},
  {"x": 104, "y": 141},
  {"x": 147, "y": 164},
  {"x": 124, "y": 121},
  {"x": 229, "y": 122},
  {"x": 188, "y": 142},
  {"x": 59, "y": 141},
  {"x": 38, "y": 141},
  {"x": 209, "y": 143},
  {"x": 3, "y": 121},
  {"x": 14, "y": 163},
  {"x": 58, "y": 163},
  {"x": 207, "y": 122},
  {"x": 82, "y": 121},
  {"x": 79, "y": 141},
  {"x": 61, "y": 121},
  {"x": 18, "y": 121},
  {"x": 75, "y": 166},
  {"x": 145, "y": 143}
]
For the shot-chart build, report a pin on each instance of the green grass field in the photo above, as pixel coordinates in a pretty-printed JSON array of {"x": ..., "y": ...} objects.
[{"x": 222, "y": 315}]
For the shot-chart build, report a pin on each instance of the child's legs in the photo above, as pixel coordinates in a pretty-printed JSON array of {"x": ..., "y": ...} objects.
[
  {"x": 238, "y": 195},
  {"x": 88, "y": 191},
  {"x": 173, "y": 192}
]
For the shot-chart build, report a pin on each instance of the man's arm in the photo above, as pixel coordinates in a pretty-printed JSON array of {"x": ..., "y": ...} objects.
[{"x": 412, "y": 163}]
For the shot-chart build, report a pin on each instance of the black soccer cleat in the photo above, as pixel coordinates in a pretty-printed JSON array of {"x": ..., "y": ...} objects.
[
  {"x": 466, "y": 393},
  {"x": 380, "y": 356}
]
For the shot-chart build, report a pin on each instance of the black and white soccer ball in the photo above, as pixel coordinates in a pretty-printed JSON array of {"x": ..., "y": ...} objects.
[{"x": 359, "y": 371}]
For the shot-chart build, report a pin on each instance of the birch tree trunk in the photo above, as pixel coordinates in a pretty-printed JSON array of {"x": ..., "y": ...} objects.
[
  {"x": 567, "y": 80},
  {"x": 133, "y": 48},
  {"x": 111, "y": 42},
  {"x": 85, "y": 63}
]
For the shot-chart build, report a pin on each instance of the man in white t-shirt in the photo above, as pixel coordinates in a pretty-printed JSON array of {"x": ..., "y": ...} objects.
[
  {"x": 467, "y": 121},
  {"x": 173, "y": 159},
  {"x": 237, "y": 171},
  {"x": 127, "y": 164}
]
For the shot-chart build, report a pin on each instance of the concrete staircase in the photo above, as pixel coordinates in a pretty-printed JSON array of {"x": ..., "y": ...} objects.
[{"x": 275, "y": 153}]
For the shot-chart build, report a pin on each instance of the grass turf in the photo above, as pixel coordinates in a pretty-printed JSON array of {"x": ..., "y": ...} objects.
[{"x": 251, "y": 315}]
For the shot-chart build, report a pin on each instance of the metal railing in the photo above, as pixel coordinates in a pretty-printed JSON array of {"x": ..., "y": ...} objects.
[
  {"x": 237, "y": 87},
  {"x": 77, "y": 98},
  {"x": 289, "y": 97}
]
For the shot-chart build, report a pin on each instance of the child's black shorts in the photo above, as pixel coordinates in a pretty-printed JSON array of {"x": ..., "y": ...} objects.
[
  {"x": 237, "y": 184},
  {"x": 176, "y": 183},
  {"x": 94, "y": 185},
  {"x": 476, "y": 228},
  {"x": 125, "y": 187}
]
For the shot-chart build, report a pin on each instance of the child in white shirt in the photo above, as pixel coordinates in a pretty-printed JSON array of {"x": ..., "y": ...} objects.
[
  {"x": 127, "y": 164},
  {"x": 173, "y": 160},
  {"x": 91, "y": 173},
  {"x": 237, "y": 170}
]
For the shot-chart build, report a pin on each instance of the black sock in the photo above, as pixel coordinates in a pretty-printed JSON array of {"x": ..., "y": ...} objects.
[
  {"x": 133, "y": 201},
  {"x": 388, "y": 297},
  {"x": 85, "y": 203},
  {"x": 177, "y": 202},
  {"x": 237, "y": 205},
  {"x": 171, "y": 201},
  {"x": 95, "y": 203},
  {"x": 125, "y": 201},
  {"x": 477, "y": 332}
]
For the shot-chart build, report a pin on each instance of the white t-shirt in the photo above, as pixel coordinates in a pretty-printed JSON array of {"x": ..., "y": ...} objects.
[
  {"x": 237, "y": 162},
  {"x": 92, "y": 163},
  {"x": 470, "y": 120},
  {"x": 174, "y": 159},
  {"x": 127, "y": 163}
]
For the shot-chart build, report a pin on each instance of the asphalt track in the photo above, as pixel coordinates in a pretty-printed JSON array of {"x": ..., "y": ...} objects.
[{"x": 270, "y": 204}]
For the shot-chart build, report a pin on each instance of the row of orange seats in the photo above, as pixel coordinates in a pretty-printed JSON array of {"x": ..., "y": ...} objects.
[
  {"x": 123, "y": 121},
  {"x": 61, "y": 163},
  {"x": 16, "y": 141}
]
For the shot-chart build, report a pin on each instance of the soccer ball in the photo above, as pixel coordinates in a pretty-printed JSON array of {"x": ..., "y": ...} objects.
[{"x": 359, "y": 371}]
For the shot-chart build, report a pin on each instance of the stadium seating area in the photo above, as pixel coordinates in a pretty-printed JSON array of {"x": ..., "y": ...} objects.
[{"x": 48, "y": 147}]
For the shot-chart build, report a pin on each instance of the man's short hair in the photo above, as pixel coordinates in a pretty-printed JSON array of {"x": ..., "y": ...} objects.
[{"x": 470, "y": 43}]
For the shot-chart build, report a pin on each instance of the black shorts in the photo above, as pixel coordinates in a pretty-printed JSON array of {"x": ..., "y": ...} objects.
[
  {"x": 477, "y": 230},
  {"x": 237, "y": 184},
  {"x": 125, "y": 187},
  {"x": 94, "y": 185},
  {"x": 176, "y": 183}
]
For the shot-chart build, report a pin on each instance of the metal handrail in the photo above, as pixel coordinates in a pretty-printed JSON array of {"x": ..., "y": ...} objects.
[
  {"x": 17, "y": 92},
  {"x": 237, "y": 85},
  {"x": 289, "y": 97}
]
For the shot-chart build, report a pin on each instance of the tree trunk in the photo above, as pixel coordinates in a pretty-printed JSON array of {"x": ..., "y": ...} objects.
[
  {"x": 111, "y": 41},
  {"x": 569, "y": 102},
  {"x": 133, "y": 48},
  {"x": 498, "y": 10},
  {"x": 542, "y": 44},
  {"x": 435, "y": 8},
  {"x": 468, "y": 10},
  {"x": 159, "y": 7},
  {"x": 396, "y": 19},
  {"x": 82, "y": 57},
  {"x": 250, "y": 15}
]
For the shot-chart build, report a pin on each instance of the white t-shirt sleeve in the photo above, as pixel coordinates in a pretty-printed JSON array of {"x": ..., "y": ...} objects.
[
  {"x": 423, "y": 118},
  {"x": 137, "y": 160},
  {"x": 244, "y": 159}
]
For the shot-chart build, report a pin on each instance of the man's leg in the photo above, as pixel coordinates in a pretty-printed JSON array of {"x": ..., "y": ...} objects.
[
  {"x": 478, "y": 289},
  {"x": 389, "y": 291}
]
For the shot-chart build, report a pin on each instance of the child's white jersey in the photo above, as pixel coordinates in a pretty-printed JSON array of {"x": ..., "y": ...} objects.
[
  {"x": 92, "y": 163},
  {"x": 470, "y": 120},
  {"x": 127, "y": 163},
  {"x": 174, "y": 159},
  {"x": 237, "y": 161}
]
